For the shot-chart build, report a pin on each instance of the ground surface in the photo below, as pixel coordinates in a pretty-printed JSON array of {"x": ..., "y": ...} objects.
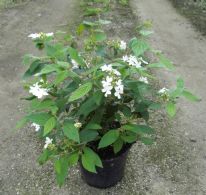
[
  {"x": 175, "y": 36},
  {"x": 175, "y": 165},
  {"x": 195, "y": 10}
]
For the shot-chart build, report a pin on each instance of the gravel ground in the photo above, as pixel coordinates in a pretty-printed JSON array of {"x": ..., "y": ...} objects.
[
  {"x": 174, "y": 165},
  {"x": 195, "y": 10}
]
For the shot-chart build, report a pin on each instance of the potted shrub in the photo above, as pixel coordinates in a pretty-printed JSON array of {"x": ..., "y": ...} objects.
[{"x": 85, "y": 99}]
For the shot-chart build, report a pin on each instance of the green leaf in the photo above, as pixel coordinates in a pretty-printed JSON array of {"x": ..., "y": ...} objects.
[
  {"x": 171, "y": 109},
  {"x": 155, "y": 106},
  {"x": 34, "y": 68},
  {"x": 73, "y": 159},
  {"x": 61, "y": 77},
  {"x": 99, "y": 36},
  {"x": 147, "y": 141},
  {"x": 90, "y": 160},
  {"x": 145, "y": 32},
  {"x": 129, "y": 137},
  {"x": 43, "y": 157},
  {"x": 188, "y": 95},
  {"x": 61, "y": 168},
  {"x": 80, "y": 92},
  {"x": 49, "y": 69},
  {"x": 21, "y": 123},
  {"x": 126, "y": 111},
  {"x": 166, "y": 62},
  {"x": 88, "y": 135},
  {"x": 138, "y": 128},
  {"x": 117, "y": 146},
  {"x": 75, "y": 56},
  {"x": 71, "y": 131},
  {"x": 55, "y": 51},
  {"x": 45, "y": 104},
  {"x": 180, "y": 83},
  {"x": 138, "y": 46},
  {"x": 93, "y": 126},
  {"x": 49, "y": 125},
  {"x": 109, "y": 138},
  {"x": 39, "y": 118}
]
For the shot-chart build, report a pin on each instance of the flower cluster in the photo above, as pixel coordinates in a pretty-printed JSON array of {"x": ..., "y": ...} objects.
[
  {"x": 112, "y": 81},
  {"x": 47, "y": 142},
  {"x": 36, "y": 126},
  {"x": 38, "y": 91},
  {"x": 75, "y": 65},
  {"x": 35, "y": 36},
  {"x": 78, "y": 125},
  {"x": 133, "y": 61},
  {"x": 163, "y": 91},
  {"x": 144, "y": 80},
  {"x": 123, "y": 45}
]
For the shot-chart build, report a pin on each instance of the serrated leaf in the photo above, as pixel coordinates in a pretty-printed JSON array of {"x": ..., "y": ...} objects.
[
  {"x": 147, "y": 141},
  {"x": 138, "y": 46},
  {"x": 61, "y": 168},
  {"x": 21, "y": 123},
  {"x": 49, "y": 125},
  {"x": 88, "y": 135},
  {"x": 99, "y": 36},
  {"x": 109, "y": 138},
  {"x": 73, "y": 159},
  {"x": 117, "y": 146},
  {"x": 43, "y": 157},
  {"x": 138, "y": 128},
  {"x": 39, "y": 118},
  {"x": 61, "y": 77},
  {"x": 188, "y": 95},
  {"x": 166, "y": 62},
  {"x": 171, "y": 109},
  {"x": 34, "y": 68},
  {"x": 146, "y": 32},
  {"x": 80, "y": 92},
  {"x": 49, "y": 69},
  {"x": 71, "y": 131},
  {"x": 155, "y": 106},
  {"x": 75, "y": 56},
  {"x": 93, "y": 126},
  {"x": 90, "y": 160},
  {"x": 129, "y": 137}
]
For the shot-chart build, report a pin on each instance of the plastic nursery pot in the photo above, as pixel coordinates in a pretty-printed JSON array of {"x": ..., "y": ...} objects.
[{"x": 111, "y": 173}]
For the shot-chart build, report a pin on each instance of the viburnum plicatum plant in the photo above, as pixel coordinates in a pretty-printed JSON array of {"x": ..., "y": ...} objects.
[{"x": 85, "y": 98}]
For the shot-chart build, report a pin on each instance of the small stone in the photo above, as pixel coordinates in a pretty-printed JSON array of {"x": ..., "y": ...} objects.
[{"x": 193, "y": 140}]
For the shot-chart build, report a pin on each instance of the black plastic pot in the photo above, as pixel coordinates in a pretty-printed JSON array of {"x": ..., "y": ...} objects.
[{"x": 110, "y": 174}]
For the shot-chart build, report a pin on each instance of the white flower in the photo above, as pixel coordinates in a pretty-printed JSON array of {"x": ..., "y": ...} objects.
[
  {"x": 75, "y": 65},
  {"x": 125, "y": 58},
  {"x": 132, "y": 61},
  {"x": 51, "y": 34},
  {"x": 37, "y": 91},
  {"x": 34, "y": 35},
  {"x": 107, "y": 68},
  {"x": 47, "y": 142},
  {"x": 107, "y": 86},
  {"x": 119, "y": 88},
  {"x": 116, "y": 72},
  {"x": 123, "y": 45},
  {"x": 36, "y": 126},
  {"x": 39, "y": 35},
  {"x": 78, "y": 125},
  {"x": 143, "y": 61},
  {"x": 163, "y": 90},
  {"x": 144, "y": 80}
]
